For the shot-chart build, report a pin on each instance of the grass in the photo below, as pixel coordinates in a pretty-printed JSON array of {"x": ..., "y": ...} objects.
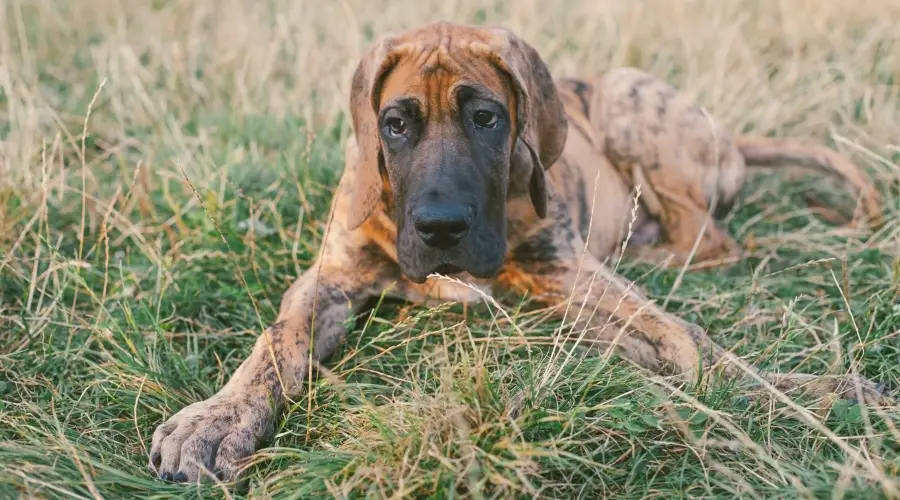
[{"x": 121, "y": 300}]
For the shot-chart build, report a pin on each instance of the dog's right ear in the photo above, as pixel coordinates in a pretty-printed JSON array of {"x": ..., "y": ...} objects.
[
  {"x": 365, "y": 93},
  {"x": 541, "y": 119}
]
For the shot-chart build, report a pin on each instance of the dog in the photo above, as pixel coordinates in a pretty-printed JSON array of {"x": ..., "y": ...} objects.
[{"x": 468, "y": 159}]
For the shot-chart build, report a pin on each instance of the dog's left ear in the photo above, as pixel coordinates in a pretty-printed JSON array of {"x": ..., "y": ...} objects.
[
  {"x": 540, "y": 116},
  {"x": 365, "y": 94}
]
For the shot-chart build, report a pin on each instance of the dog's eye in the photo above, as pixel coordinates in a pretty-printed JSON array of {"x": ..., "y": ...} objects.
[
  {"x": 485, "y": 119},
  {"x": 396, "y": 126}
]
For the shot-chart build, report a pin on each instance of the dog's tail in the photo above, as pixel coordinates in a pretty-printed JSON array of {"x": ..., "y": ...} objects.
[{"x": 770, "y": 152}]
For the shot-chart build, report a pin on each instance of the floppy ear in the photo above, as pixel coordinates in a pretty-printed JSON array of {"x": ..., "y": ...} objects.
[
  {"x": 367, "y": 185},
  {"x": 540, "y": 116}
]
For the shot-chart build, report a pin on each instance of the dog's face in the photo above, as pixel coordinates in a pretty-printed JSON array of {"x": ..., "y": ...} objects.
[
  {"x": 438, "y": 113},
  {"x": 446, "y": 138}
]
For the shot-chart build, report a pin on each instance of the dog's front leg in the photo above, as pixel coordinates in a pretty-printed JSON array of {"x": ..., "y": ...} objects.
[
  {"x": 213, "y": 436},
  {"x": 608, "y": 312}
]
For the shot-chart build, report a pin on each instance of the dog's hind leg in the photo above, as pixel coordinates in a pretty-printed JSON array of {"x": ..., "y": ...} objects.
[{"x": 690, "y": 231}]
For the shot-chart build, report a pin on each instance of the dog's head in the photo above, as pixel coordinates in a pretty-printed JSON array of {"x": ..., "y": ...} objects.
[{"x": 447, "y": 118}]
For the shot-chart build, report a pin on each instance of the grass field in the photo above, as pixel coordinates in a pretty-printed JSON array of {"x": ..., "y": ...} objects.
[{"x": 122, "y": 298}]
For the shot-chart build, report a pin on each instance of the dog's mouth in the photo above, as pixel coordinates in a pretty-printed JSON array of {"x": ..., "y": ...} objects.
[
  {"x": 443, "y": 269},
  {"x": 446, "y": 269}
]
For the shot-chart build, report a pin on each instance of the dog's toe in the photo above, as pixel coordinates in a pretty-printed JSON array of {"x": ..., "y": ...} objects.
[{"x": 234, "y": 448}]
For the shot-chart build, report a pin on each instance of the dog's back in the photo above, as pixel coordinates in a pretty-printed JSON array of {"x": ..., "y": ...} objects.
[{"x": 635, "y": 131}]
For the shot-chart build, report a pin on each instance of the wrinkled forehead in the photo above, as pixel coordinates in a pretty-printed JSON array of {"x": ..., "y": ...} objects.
[{"x": 434, "y": 77}]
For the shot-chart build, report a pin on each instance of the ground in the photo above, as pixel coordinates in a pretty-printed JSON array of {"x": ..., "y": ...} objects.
[{"x": 165, "y": 168}]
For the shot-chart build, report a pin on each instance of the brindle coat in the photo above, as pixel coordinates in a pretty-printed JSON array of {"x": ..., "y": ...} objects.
[{"x": 471, "y": 117}]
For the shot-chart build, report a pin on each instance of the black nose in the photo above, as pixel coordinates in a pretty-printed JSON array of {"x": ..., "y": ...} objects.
[{"x": 441, "y": 225}]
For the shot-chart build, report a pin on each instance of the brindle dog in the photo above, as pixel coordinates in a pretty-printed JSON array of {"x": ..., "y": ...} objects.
[{"x": 456, "y": 128}]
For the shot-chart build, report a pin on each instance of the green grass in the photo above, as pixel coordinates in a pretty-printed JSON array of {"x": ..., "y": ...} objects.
[{"x": 123, "y": 303}]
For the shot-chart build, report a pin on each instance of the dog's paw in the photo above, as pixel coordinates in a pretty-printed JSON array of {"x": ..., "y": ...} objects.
[{"x": 211, "y": 437}]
